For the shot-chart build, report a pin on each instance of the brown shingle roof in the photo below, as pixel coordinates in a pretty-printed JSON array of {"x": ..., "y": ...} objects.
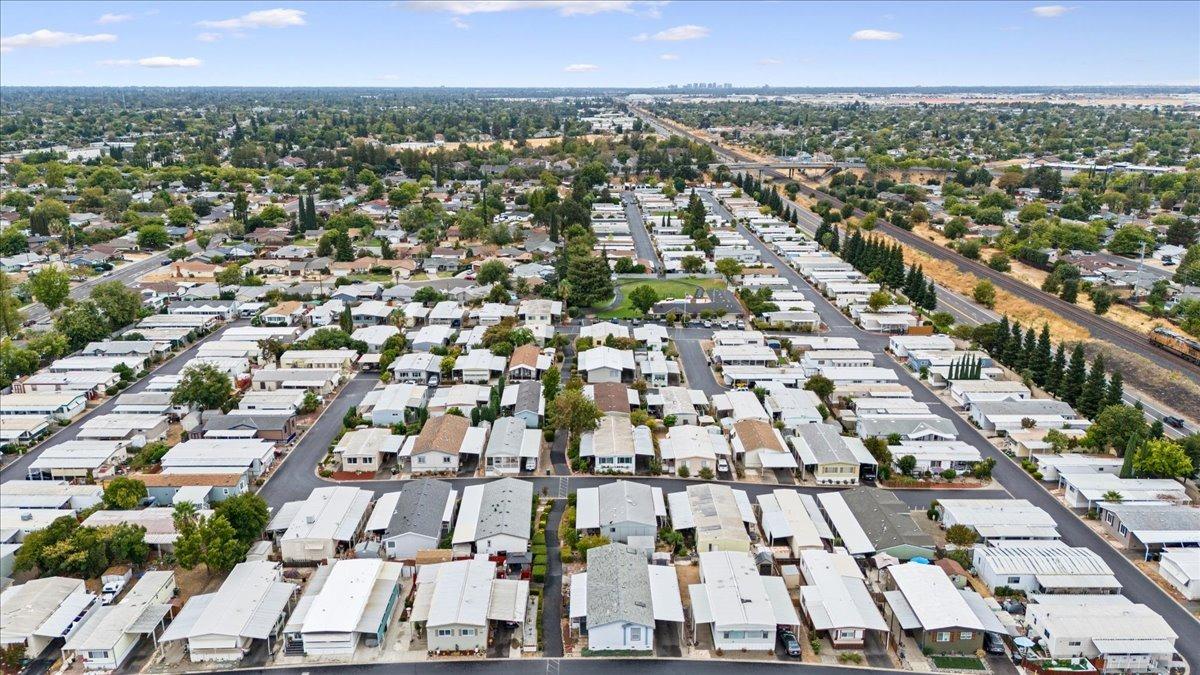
[
  {"x": 442, "y": 434},
  {"x": 187, "y": 479},
  {"x": 757, "y": 435},
  {"x": 525, "y": 355},
  {"x": 611, "y": 397}
]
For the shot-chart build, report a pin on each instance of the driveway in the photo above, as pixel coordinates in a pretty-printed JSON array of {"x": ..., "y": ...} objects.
[
  {"x": 668, "y": 639},
  {"x": 552, "y": 589}
]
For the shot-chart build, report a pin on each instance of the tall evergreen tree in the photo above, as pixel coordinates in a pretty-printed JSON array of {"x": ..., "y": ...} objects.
[
  {"x": 1012, "y": 351},
  {"x": 929, "y": 301},
  {"x": 1028, "y": 350},
  {"x": 1130, "y": 449},
  {"x": 999, "y": 340},
  {"x": 1094, "y": 389},
  {"x": 1074, "y": 376},
  {"x": 1054, "y": 375},
  {"x": 1116, "y": 390},
  {"x": 1042, "y": 356}
]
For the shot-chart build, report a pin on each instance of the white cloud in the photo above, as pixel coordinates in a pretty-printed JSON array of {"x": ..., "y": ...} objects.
[
  {"x": 872, "y": 34},
  {"x": 156, "y": 62},
  {"x": 208, "y": 37},
  {"x": 1050, "y": 11},
  {"x": 676, "y": 34},
  {"x": 581, "y": 68},
  {"x": 51, "y": 38},
  {"x": 562, "y": 7},
  {"x": 459, "y": 23},
  {"x": 113, "y": 18},
  {"x": 263, "y": 18},
  {"x": 768, "y": 61},
  {"x": 669, "y": 57}
]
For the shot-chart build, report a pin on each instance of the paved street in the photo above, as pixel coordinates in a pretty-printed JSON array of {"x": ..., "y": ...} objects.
[
  {"x": 18, "y": 468},
  {"x": 125, "y": 274},
  {"x": 574, "y": 666},
  {"x": 637, "y": 228}
]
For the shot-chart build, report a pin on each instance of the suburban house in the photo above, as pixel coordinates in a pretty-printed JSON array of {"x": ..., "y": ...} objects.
[
  {"x": 251, "y": 604},
  {"x": 760, "y": 446},
  {"x": 921, "y": 601},
  {"x": 693, "y": 447},
  {"x": 1002, "y": 417},
  {"x": 113, "y": 632},
  {"x": 417, "y": 367},
  {"x": 495, "y": 517},
  {"x": 831, "y": 458},
  {"x": 719, "y": 514},
  {"x": 615, "y": 444},
  {"x": 513, "y": 447},
  {"x": 540, "y": 311},
  {"x": 1152, "y": 526},
  {"x": 38, "y": 612},
  {"x": 524, "y": 400},
  {"x": 209, "y": 455},
  {"x": 437, "y": 447},
  {"x": 478, "y": 366},
  {"x": 742, "y": 607},
  {"x": 787, "y": 519},
  {"x": 938, "y": 456},
  {"x": 410, "y": 521},
  {"x": 1089, "y": 490},
  {"x": 620, "y": 510},
  {"x": 683, "y": 405},
  {"x": 835, "y": 600},
  {"x": 320, "y": 381},
  {"x": 998, "y": 520},
  {"x": 316, "y": 528},
  {"x": 457, "y": 601},
  {"x": 393, "y": 403},
  {"x": 1181, "y": 568},
  {"x": 1116, "y": 634},
  {"x": 618, "y": 600},
  {"x": 327, "y": 359},
  {"x": 1044, "y": 568},
  {"x": 367, "y": 449},
  {"x": 345, "y": 603},
  {"x": 528, "y": 363},
  {"x": 605, "y": 364},
  {"x": 927, "y": 427},
  {"x": 870, "y": 521}
]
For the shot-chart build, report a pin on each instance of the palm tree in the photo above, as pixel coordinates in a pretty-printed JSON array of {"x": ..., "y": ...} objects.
[{"x": 564, "y": 293}]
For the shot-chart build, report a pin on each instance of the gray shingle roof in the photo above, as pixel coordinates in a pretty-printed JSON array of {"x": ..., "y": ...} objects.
[
  {"x": 419, "y": 508},
  {"x": 885, "y": 519},
  {"x": 507, "y": 508},
  {"x": 618, "y": 586}
]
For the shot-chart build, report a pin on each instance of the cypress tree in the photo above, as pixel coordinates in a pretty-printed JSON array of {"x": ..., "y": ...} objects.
[
  {"x": 929, "y": 301},
  {"x": 1040, "y": 363},
  {"x": 1130, "y": 449},
  {"x": 1012, "y": 351},
  {"x": 999, "y": 340},
  {"x": 834, "y": 244},
  {"x": 1094, "y": 388},
  {"x": 1073, "y": 377},
  {"x": 1028, "y": 350},
  {"x": 1054, "y": 375},
  {"x": 1116, "y": 390}
]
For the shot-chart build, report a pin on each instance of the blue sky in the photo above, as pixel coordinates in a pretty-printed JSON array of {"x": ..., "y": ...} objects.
[{"x": 586, "y": 43}]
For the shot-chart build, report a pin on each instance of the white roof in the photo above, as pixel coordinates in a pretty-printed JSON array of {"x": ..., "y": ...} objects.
[
  {"x": 854, "y": 538},
  {"x": 27, "y": 609},
  {"x": 985, "y": 513},
  {"x": 934, "y": 600},
  {"x": 381, "y": 515},
  {"x": 344, "y": 596},
  {"x": 836, "y": 596},
  {"x": 248, "y": 605},
  {"x": 735, "y": 595},
  {"x": 1054, "y": 564},
  {"x": 799, "y": 526},
  {"x": 328, "y": 513},
  {"x": 78, "y": 455},
  {"x": 664, "y": 593},
  {"x": 605, "y": 357},
  {"x": 688, "y": 441},
  {"x": 459, "y": 593}
]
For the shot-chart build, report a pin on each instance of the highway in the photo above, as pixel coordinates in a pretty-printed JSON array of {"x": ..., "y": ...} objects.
[{"x": 1099, "y": 327}]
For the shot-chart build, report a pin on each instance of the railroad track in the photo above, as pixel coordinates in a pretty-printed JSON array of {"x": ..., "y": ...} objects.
[{"x": 1100, "y": 328}]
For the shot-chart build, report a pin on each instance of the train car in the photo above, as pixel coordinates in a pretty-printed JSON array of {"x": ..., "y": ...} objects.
[{"x": 1176, "y": 343}]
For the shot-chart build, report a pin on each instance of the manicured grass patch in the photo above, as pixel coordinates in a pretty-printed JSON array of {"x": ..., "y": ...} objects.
[
  {"x": 667, "y": 289},
  {"x": 958, "y": 662}
]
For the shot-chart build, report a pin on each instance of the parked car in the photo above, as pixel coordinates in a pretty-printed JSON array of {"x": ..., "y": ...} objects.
[
  {"x": 722, "y": 465},
  {"x": 993, "y": 643},
  {"x": 790, "y": 643}
]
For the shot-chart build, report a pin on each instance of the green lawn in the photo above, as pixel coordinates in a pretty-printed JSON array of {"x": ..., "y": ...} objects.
[
  {"x": 957, "y": 662},
  {"x": 667, "y": 289}
]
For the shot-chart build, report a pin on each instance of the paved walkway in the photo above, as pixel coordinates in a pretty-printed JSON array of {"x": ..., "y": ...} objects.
[{"x": 552, "y": 636}]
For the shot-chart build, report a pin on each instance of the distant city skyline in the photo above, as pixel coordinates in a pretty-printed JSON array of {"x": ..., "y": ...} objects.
[{"x": 586, "y": 43}]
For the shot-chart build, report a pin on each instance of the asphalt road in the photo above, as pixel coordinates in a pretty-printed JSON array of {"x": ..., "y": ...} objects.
[
  {"x": 1099, "y": 327},
  {"x": 125, "y": 274},
  {"x": 641, "y": 236},
  {"x": 574, "y": 666},
  {"x": 18, "y": 468},
  {"x": 552, "y": 589},
  {"x": 1015, "y": 480}
]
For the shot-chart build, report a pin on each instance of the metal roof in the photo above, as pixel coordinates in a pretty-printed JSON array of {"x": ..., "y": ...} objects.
[
  {"x": 329, "y": 513},
  {"x": 934, "y": 600},
  {"x": 248, "y": 604},
  {"x": 834, "y": 599},
  {"x": 854, "y": 538}
]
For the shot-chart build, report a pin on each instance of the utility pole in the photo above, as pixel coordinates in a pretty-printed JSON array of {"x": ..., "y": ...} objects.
[{"x": 1137, "y": 280}]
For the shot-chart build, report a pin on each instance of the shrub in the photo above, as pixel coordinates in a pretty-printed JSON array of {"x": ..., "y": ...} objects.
[
  {"x": 538, "y": 549},
  {"x": 539, "y": 539},
  {"x": 684, "y": 472},
  {"x": 538, "y": 574},
  {"x": 948, "y": 474},
  {"x": 706, "y": 473}
]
